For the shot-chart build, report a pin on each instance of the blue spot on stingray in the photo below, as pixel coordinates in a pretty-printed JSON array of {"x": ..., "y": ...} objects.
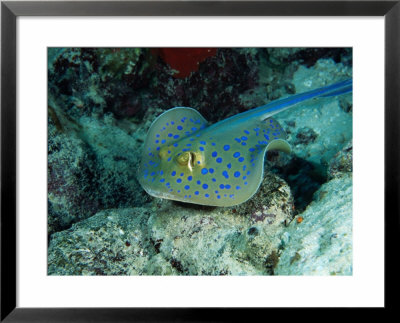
[
  {"x": 213, "y": 179},
  {"x": 213, "y": 143},
  {"x": 229, "y": 165},
  {"x": 236, "y": 154},
  {"x": 175, "y": 145},
  {"x": 241, "y": 159},
  {"x": 221, "y": 186},
  {"x": 198, "y": 182},
  {"x": 187, "y": 187},
  {"x": 236, "y": 174},
  {"x": 179, "y": 180},
  {"x": 163, "y": 141},
  {"x": 173, "y": 173},
  {"x": 196, "y": 193},
  {"x": 244, "y": 138},
  {"x": 227, "y": 147},
  {"x": 238, "y": 187},
  {"x": 203, "y": 142},
  {"x": 219, "y": 160},
  {"x": 162, "y": 180},
  {"x": 266, "y": 137},
  {"x": 188, "y": 145},
  {"x": 181, "y": 174},
  {"x": 204, "y": 171},
  {"x": 243, "y": 143},
  {"x": 194, "y": 129},
  {"x": 218, "y": 196},
  {"x": 172, "y": 122},
  {"x": 225, "y": 174},
  {"x": 176, "y": 136},
  {"x": 190, "y": 178},
  {"x": 157, "y": 141},
  {"x": 227, "y": 186},
  {"x": 201, "y": 148},
  {"x": 157, "y": 135},
  {"x": 179, "y": 127},
  {"x": 205, "y": 186},
  {"x": 251, "y": 149},
  {"x": 246, "y": 132},
  {"x": 207, "y": 195},
  {"x": 214, "y": 154},
  {"x": 169, "y": 159}
]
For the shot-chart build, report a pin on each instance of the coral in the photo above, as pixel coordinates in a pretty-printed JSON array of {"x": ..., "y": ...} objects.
[
  {"x": 173, "y": 238},
  {"x": 184, "y": 60},
  {"x": 91, "y": 81},
  {"x": 216, "y": 89}
]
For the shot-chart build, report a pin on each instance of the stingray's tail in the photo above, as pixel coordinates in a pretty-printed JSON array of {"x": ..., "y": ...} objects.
[{"x": 274, "y": 107}]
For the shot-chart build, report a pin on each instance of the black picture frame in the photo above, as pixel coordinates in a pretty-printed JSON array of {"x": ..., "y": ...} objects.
[{"x": 10, "y": 10}]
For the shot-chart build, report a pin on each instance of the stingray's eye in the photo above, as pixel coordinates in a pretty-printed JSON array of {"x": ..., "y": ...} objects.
[
  {"x": 186, "y": 159},
  {"x": 183, "y": 159},
  {"x": 189, "y": 159}
]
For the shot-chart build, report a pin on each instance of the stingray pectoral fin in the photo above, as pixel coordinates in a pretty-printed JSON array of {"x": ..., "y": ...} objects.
[
  {"x": 163, "y": 142},
  {"x": 279, "y": 144}
]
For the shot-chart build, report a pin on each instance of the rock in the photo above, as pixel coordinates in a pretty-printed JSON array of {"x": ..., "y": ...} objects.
[
  {"x": 177, "y": 239},
  {"x": 321, "y": 244},
  {"x": 342, "y": 162},
  {"x": 71, "y": 178},
  {"x": 111, "y": 242}
]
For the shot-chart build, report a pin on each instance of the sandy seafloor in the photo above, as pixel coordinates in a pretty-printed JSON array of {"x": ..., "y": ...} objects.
[{"x": 101, "y": 221}]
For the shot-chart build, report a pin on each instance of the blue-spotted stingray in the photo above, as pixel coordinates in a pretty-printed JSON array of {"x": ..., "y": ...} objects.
[{"x": 222, "y": 164}]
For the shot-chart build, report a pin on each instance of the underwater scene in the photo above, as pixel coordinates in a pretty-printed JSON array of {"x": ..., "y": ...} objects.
[{"x": 200, "y": 161}]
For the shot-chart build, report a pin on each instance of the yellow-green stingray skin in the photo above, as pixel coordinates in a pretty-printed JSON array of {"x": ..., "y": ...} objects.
[{"x": 220, "y": 165}]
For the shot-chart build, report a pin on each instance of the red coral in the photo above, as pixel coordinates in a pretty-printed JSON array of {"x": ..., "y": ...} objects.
[{"x": 184, "y": 60}]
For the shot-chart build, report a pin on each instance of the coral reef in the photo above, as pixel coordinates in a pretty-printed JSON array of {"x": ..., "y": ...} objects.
[{"x": 102, "y": 102}]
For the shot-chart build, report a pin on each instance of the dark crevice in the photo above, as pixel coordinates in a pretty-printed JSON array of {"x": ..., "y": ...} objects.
[{"x": 304, "y": 179}]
